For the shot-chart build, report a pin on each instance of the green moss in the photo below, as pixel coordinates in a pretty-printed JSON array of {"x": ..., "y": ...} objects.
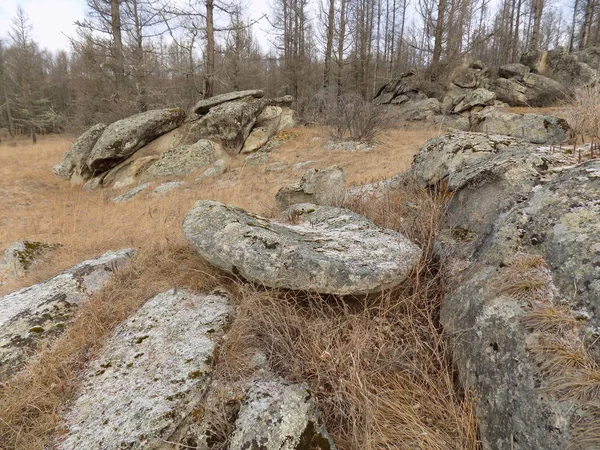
[
  {"x": 30, "y": 251},
  {"x": 141, "y": 339},
  {"x": 36, "y": 330}
]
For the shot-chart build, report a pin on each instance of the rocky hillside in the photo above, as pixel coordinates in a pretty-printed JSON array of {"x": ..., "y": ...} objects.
[{"x": 448, "y": 304}]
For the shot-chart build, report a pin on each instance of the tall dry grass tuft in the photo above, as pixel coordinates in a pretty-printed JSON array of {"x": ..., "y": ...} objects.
[
  {"x": 379, "y": 366},
  {"x": 30, "y": 401}
]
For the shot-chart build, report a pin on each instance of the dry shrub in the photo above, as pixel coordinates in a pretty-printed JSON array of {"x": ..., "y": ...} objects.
[
  {"x": 351, "y": 117},
  {"x": 379, "y": 366},
  {"x": 583, "y": 113},
  {"x": 30, "y": 401}
]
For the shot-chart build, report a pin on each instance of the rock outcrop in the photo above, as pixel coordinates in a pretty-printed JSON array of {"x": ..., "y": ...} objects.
[
  {"x": 184, "y": 160},
  {"x": 575, "y": 70},
  {"x": 517, "y": 86},
  {"x": 324, "y": 249},
  {"x": 123, "y": 138},
  {"x": 151, "y": 374},
  {"x": 228, "y": 123},
  {"x": 279, "y": 416},
  {"x": 42, "y": 311},
  {"x": 318, "y": 186},
  {"x": 535, "y": 128},
  {"x": 74, "y": 162},
  {"x": 521, "y": 223},
  {"x": 159, "y": 143}
]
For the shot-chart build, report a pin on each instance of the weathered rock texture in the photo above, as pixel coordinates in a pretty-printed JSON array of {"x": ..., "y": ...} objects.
[
  {"x": 228, "y": 123},
  {"x": 184, "y": 160},
  {"x": 74, "y": 162},
  {"x": 523, "y": 223},
  {"x": 205, "y": 105},
  {"x": 42, "y": 311},
  {"x": 535, "y": 128},
  {"x": 327, "y": 250},
  {"x": 152, "y": 373},
  {"x": 21, "y": 256},
  {"x": 318, "y": 186},
  {"x": 123, "y": 138},
  {"x": 522, "y": 88},
  {"x": 487, "y": 173},
  {"x": 279, "y": 416}
]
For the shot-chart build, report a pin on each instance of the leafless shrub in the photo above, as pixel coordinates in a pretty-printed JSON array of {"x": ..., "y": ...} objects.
[
  {"x": 583, "y": 113},
  {"x": 350, "y": 117}
]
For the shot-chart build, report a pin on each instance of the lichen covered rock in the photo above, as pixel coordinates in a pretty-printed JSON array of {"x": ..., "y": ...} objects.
[
  {"x": 42, "y": 311},
  {"x": 21, "y": 256},
  {"x": 74, "y": 162},
  {"x": 318, "y": 186},
  {"x": 325, "y": 249},
  {"x": 151, "y": 374},
  {"x": 123, "y": 138},
  {"x": 279, "y": 416}
]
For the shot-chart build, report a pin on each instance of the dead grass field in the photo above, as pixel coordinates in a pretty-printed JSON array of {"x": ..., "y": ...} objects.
[
  {"x": 388, "y": 382},
  {"x": 36, "y": 205}
]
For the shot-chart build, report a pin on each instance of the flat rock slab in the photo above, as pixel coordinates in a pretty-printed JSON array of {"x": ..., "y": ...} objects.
[
  {"x": 152, "y": 373},
  {"x": 279, "y": 416},
  {"x": 42, "y": 311},
  {"x": 327, "y": 250},
  {"x": 123, "y": 138},
  {"x": 131, "y": 193},
  {"x": 203, "y": 106}
]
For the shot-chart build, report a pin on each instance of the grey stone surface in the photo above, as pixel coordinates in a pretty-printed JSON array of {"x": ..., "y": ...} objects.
[
  {"x": 326, "y": 249},
  {"x": 535, "y": 128},
  {"x": 401, "y": 86},
  {"x": 131, "y": 193},
  {"x": 349, "y": 146},
  {"x": 279, "y": 416},
  {"x": 19, "y": 257},
  {"x": 151, "y": 374},
  {"x": 165, "y": 188},
  {"x": 123, "y": 138},
  {"x": 205, "y": 105},
  {"x": 257, "y": 159},
  {"x": 74, "y": 161},
  {"x": 42, "y": 311},
  {"x": 414, "y": 110},
  {"x": 476, "y": 97},
  {"x": 184, "y": 160},
  {"x": 531, "y": 89},
  {"x": 228, "y": 123},
  {"x": 487, "y": 173},
  {"x": 217, "y": 169},
  {"x": 317, "y": 186}
]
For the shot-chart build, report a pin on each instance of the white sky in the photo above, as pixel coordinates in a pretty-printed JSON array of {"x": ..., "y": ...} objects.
[{"x": 53, "y": 20}]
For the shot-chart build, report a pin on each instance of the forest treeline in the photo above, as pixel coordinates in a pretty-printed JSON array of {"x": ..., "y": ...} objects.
[{"x": 129, "y": 56}]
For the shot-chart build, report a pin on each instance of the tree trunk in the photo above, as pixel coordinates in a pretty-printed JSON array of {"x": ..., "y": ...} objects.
[
  {"x": 341, "y": 39},
  {"x": 587, "y": 24},
  {"x": 329, "y": 46},
  {"x": 115, "y": 23},
  {"x": 439, "y": 34},
  {"x": 209, "y": 80},
  {"x": 537, "y": 9}
]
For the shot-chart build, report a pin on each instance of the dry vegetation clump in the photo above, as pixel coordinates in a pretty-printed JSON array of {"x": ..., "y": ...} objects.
[
  {"x": 379, "y": 365},
  {"x": 583, "y": 113}
]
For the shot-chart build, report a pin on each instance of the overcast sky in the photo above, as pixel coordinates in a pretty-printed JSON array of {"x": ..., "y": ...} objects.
[{"x": 53, "y": 20}]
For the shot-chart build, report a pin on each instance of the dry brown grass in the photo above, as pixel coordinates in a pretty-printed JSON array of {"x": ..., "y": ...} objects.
[{"x": 379, "y": 366}]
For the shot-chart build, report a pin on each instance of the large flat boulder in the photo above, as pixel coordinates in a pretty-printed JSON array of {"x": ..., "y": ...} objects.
[
  {"x": 74, "y": 161},
  {"x": 42, "y": 311},
  {"x": 203, "y": 106},
  {"x": 477, "y": 97},
  {"x": 414, "y": 110},
  {"x": 123, "y": 138},
  {"x": 535, "y": 128},
  {"x": 325, "y": 249},
  {"x": 530, "y": 89},
  {"x": 228, "y": 123},
  {"x": 185, "y": 159},
  {"x": 279, "y": 416},
  {"x": 152, "y": 373},
  {"x": 318, "y": 186}
]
